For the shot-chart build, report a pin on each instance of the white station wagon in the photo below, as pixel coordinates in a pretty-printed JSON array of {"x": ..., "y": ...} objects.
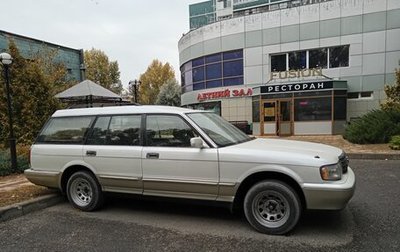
[{"x": 182, "y": 153}]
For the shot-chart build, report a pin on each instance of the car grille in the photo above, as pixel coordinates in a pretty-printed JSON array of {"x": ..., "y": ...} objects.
[{"x": 344, "y": 162}]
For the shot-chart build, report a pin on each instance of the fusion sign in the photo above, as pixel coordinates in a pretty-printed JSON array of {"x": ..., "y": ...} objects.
[{"x": 301, "y": 73}]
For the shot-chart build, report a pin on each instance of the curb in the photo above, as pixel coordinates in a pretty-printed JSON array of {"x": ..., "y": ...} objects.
[
  {"x": 376, "y": 156},
  {"x": 25, "y": 207}
]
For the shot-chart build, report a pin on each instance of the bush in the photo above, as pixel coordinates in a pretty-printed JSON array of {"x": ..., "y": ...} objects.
[
  {"x": 377, "y": 126},
  {"x": 5, "y": 163},
  {"x": 395, "y": 143}
]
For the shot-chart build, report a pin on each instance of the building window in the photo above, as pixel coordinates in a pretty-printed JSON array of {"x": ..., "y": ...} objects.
[
  {"x": 339, "y": 56},
  {"x": 278, "y": 63},
  {"x": 313, "y": 109},
  {"x": 215, "y": 70},
  {"x": 360, "y": 95},
  {"x": 340, "y": 108},
  {"x": 256, "y": 109},
  {"x": 297, "y": 60},
  {"x": 233, "y": 68},
  {"x": 318, "y": 58},
  {"x": 198, "y": 74}
]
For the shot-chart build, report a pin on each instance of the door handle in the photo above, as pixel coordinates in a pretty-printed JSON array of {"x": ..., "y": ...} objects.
[
  {"x": 91, "y": 153},
  {"x": 153, "y": 155}
]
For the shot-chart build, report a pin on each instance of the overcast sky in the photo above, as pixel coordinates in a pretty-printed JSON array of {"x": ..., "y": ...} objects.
[{"x": 132, "y": 32}]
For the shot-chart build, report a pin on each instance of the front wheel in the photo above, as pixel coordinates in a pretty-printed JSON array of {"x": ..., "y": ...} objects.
[
  {"x": 272, "y": 207},
  {"x": 84, "y": 192}
]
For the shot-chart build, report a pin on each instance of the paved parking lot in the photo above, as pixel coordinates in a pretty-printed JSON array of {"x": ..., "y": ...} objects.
[{"x": 370, "y": 223}]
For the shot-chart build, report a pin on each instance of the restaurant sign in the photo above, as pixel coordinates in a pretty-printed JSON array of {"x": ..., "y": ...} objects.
[
  {"x": 227, "y": 93},
  {"x": 297, "y": 87}
]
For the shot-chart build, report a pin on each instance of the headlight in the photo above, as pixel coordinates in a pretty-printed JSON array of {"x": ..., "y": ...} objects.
[{"x": 331, "y": 172}]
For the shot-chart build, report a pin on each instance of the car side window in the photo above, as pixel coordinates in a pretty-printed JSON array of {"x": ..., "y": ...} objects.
[
  {"x": 116, "y": 130},
  {"x": 168, "y": 130},
  {"x": 99, "y": 132},
  {"x": 125, "y": 130},
  {"x": 65, "y": 130}
]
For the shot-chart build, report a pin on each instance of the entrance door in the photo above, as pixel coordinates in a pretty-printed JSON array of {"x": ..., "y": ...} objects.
[
  {"x": 284, "y": 120},
  {"x": 268, "y": 118}
]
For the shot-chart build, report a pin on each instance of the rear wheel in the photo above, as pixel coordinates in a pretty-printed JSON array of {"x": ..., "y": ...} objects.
[
  {"x": 84, "y": 192},
  {"x": 272, "y": 207}
]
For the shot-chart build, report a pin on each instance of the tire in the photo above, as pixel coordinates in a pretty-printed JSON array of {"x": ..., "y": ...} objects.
[
  {"x": 84, "y": 192},
  {"x": 272, "y": 207}
]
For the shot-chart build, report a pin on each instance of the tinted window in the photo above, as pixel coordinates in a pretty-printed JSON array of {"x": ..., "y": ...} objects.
[
  {"x": 198, "y": 74},
  {"x": 233, "y": 81},
  {"x": 124, "y": 130},
  {"x": 297, "y": 60},
  {"x": 278, "y": 63},
  {"x": 214, "y": 71},
  {"x": 233, "y": 55},
  {"x": 198, "y": 62},
  {"x": 65, "y": 130},
  {"x": 214, "y": 83},
  {"x": 313, "y": 109},
  {"x": 233, "y": 68},
  {"x": 98, "y": 135},
  {"x": 340, "y": 108},
  {"x": 213, "y": 58},
  {"x": 339, "y": 56},
  {"x": 168, "y": 130},
  {"x": 318, "y": 58}
]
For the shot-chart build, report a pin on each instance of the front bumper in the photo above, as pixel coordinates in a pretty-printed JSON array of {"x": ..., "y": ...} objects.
[
  {"x": 43, "y": 178},
  {"x": 330, "y": 196}
]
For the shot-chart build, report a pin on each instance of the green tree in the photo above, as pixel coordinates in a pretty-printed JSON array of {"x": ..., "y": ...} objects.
[
  {"x": 170, "y": 94},
  {"x": 102, "y": 71},
  {"x": 32, "y": 91},
  {"x": 393, "y": 94},
  {"x": 155, "y": 76}
]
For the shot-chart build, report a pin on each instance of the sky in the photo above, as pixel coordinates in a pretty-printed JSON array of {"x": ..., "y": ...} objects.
[{"x": 131, "y": 32}]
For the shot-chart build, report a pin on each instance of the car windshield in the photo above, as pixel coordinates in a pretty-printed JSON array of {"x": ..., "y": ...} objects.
[{"x": 218, "y": 129}]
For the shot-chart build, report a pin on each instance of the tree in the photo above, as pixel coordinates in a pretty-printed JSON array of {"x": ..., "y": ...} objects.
[
  {"x": 32, "y": 91},
  {"x": 155, "y": 76},
  {"x": 393, "y": 94},
  {"x": 102, "y": 71},
  {"x": 170, "y": 94}
]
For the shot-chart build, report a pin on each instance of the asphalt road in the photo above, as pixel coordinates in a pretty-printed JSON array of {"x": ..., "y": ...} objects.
[{"x": 371, "y": 222}]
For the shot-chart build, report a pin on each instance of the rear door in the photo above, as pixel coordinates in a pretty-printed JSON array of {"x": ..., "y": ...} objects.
[
  {"x": 171, "y": 167},
  {"x": 113, "y": 149}
]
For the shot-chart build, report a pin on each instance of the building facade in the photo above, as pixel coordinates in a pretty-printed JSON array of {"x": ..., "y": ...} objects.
[
  {"x": 71, "y": 58},
  {"x": 290, "y": 67}
]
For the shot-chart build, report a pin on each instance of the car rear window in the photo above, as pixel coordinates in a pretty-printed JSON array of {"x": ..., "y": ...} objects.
[{"x": 65, "y": 130}]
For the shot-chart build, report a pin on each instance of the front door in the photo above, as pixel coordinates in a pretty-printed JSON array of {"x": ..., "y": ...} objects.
[
  {"x": 284, "y": 120},
  {"x": 171, "y": 167}
]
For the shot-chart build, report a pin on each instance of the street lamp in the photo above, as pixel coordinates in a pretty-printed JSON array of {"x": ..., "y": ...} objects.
[
  {"x": 6, "y": 60},
  {"x": 135, "y": 85}
]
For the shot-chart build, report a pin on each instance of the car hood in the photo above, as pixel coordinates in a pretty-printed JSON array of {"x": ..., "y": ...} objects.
[{"x": 277, "y": 151}]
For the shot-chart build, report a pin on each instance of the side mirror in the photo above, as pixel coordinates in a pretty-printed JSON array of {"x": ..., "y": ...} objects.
[{"x": 196, "y": 142}]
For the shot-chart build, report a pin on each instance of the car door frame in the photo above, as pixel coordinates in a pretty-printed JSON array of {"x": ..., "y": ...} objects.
[{"x": 174, "y": 185}]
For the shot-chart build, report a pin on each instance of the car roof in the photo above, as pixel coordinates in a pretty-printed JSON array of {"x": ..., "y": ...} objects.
[{"x": 115, "y": 110}]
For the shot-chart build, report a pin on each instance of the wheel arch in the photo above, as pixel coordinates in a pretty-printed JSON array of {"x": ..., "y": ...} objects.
[
  {"x": 254, "y": 178},
  {"x": 67, "y": 173}
]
